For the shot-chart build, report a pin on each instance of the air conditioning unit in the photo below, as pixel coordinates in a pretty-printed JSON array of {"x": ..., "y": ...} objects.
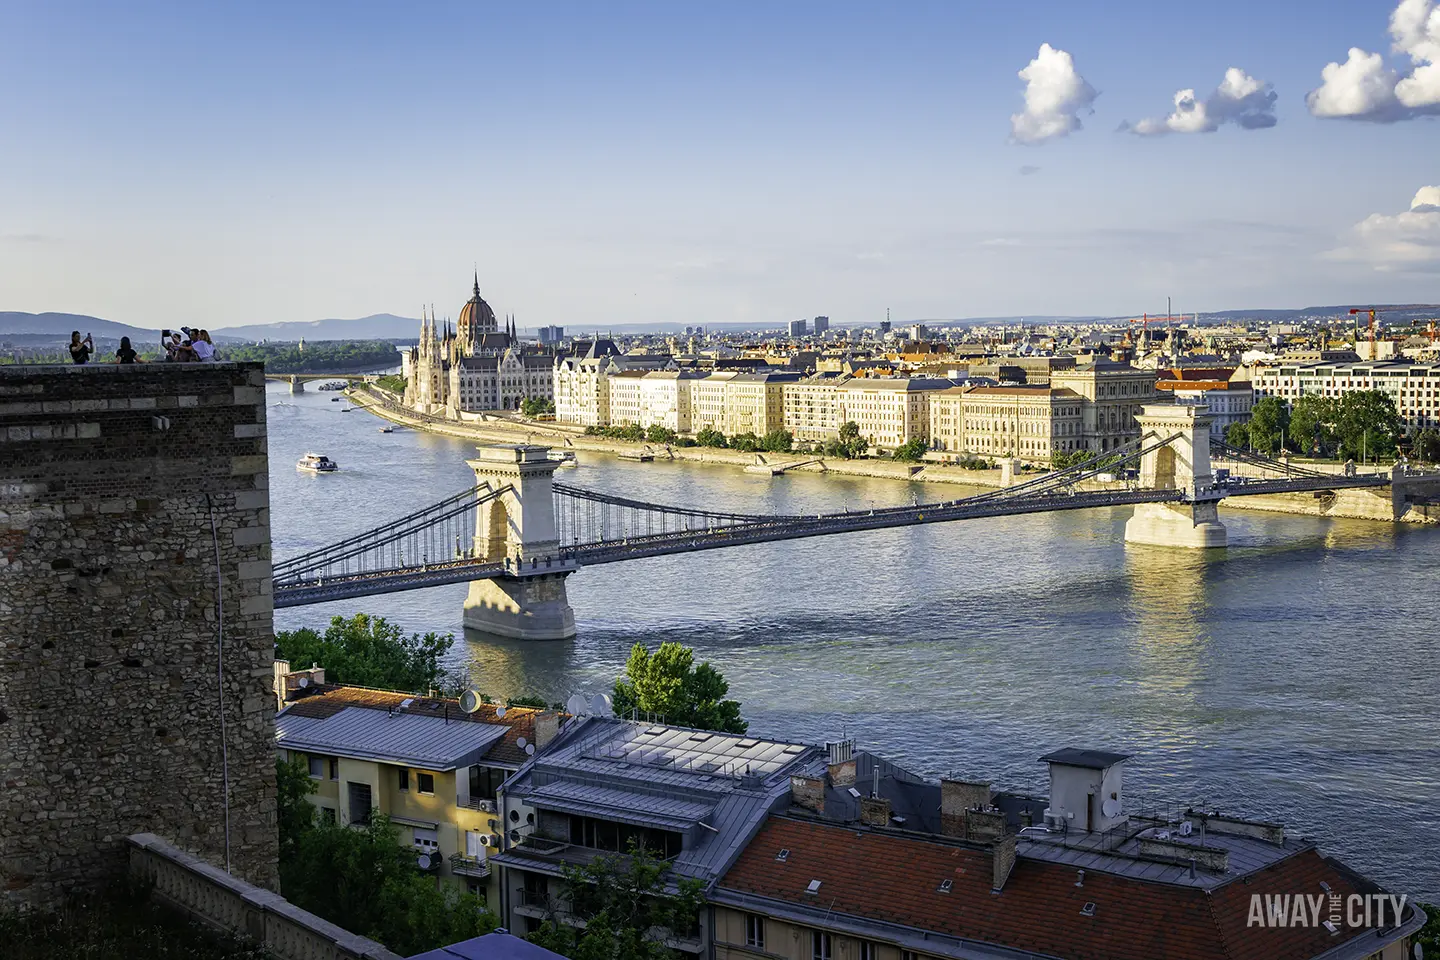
[
  {"x": 1185, "y": 828},
  {"x": 485, "y": 839},
  {"x": 1054, "y": 821}
]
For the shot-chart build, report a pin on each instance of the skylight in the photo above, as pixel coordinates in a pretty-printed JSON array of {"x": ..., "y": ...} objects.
[{"x": 814, "y": 887}]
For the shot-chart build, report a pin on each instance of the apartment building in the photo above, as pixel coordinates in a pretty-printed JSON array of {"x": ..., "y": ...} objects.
[
  {"x": 691, "y": 797},
  {"x": 889, "y": 412},
  {"x": 1114, "y": 392},
  {"x": 580, "y": 384},
  {"x": 626, "y": 407},
  {"x": 665, "y": 399},
  {"x": 433, "y": 769},
  {"x": 1230, "y": 398},
  {"x": 754, "y": 402},
  {"x": 1415, "y": 387},
  {"x": 872, "y": 863},
  {"x": 707, "y": 401},
  {"x": 1031, "y": 423},
  {"x": 811, "y": 409}
]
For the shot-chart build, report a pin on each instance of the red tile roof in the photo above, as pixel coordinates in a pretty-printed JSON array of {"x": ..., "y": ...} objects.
[
  {"x": 892, "y": 879},
  {"x": 330, "y": 700}
]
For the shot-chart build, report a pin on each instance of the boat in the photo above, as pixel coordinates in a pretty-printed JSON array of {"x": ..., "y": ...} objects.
[
  {"x": 387, "y": 429},
  {"x": 334, "y": 399},
  {"x": 565, "y": 458},
  {"x": 317, "y": 463},
  {"x": 334, "y": 385}
]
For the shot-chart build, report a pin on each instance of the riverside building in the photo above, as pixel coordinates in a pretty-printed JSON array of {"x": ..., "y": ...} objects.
[
  {"x": 1113, "y": 394},
  {"x": 1415, "y": 387},
  {"x": 1025, "y": 423}
]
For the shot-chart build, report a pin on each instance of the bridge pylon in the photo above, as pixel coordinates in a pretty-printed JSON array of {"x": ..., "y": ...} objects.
[
  {"x": 529, "y": 601},
  {"x": 297, "y": 385},
  {"x": 1183, "y": 464}
]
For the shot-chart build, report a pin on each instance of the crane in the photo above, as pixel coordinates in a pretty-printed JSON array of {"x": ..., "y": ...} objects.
[{"x": 1371, "y": 326}]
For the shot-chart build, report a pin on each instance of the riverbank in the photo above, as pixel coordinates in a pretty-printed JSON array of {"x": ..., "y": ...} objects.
[{"x": 1364, "y": 504}]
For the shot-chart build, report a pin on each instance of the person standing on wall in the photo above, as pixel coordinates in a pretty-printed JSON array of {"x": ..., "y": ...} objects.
[
  {"x": 80, "y": 350},
  {"x": 126, "y": 353}
]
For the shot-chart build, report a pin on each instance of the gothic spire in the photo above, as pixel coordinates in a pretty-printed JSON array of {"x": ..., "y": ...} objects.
[{"x": 477, "y": 282}]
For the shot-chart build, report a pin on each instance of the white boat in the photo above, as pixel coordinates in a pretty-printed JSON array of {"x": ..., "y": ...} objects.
[
  {"x": 565, "y": 458},
  {"x": 317, "y": 463}
]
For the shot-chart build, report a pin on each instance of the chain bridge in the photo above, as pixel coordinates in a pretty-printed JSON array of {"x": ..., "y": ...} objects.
[{"x": 517, "y": 534}]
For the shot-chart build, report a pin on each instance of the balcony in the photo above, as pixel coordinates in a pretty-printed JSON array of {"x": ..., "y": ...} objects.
[
  {"x": 464, "y": 866},
  {"x": 477, "y": 803}
]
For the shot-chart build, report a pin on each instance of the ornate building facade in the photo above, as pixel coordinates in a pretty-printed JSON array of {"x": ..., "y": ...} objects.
[{"x": 476, "y": 366}]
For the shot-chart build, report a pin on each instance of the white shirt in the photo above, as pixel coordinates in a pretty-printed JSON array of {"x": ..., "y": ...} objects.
[{"x": 203, "y": 350}]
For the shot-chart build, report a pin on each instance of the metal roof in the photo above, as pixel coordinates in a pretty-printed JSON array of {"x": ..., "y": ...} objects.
[
  {"x": 624, "y": 806},
  {"x": 429, "y": 743},
  {"x": 1091, "y": 759},
  {"x": 492, "y": 946}
]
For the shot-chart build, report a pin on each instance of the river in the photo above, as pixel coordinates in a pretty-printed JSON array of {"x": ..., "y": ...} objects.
[{"x": 1292, "y": 677}]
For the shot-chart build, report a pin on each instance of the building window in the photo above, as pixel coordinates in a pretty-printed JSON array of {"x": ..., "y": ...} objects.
[
  {"x": 334, "y": 769},
  {"x": 426, "y": 783},
  {"x": 869, "y": 950},
  {"x": 819, "y": 945},
  {"x": 403, "y": 776},
  {"x": 317, "y": 768},
  {"x": 754, "y": 930},
  {"x": 327, "y": 814}
]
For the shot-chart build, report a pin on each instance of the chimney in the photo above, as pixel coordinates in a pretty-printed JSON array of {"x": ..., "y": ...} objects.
[
  {"x": 808, "y": 792},
  {"x": 957, "y": 799},
  {"x": 875, "y": 811},
  {"x": 1002, "y": 861},
  {"x": 547, "y": 726},
  {"x": 841, "y": 767}
]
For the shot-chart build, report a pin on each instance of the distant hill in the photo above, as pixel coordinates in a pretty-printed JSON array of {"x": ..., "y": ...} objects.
[
  {"x": 59, "y": 325},
  {"x": 377, "y": 326}
]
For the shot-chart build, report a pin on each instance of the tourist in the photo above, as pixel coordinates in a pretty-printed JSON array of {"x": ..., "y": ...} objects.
[
  {"x": 80, "y": 350},
  {"x": 201, "y": 344},
  {"x": 171, "y": 343},
  {"x": 126, "y": 353}
]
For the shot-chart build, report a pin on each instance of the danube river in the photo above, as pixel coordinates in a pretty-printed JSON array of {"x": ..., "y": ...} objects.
[{"x": 1293, "y": 677}]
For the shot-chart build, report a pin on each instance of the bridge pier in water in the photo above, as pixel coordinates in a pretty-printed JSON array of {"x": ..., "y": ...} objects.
[
  {"x": 1183, "y": 464},
  {"x": 297, "y": 385},
  {"x": 529, "y": 602}
]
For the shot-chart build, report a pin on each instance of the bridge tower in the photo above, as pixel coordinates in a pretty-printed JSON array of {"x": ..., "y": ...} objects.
[
  {"x": 297, "y": 385},
  {"x": 529, "y": 601},
  {"x": 1183, "y": 464}
]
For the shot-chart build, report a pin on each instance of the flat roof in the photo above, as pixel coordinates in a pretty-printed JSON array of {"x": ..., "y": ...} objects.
[
  {"x": 1092, "y": 759},
  {"x": 404, "y": 739}
]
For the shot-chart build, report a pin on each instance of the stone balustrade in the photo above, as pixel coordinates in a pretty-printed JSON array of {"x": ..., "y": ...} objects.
[{"x": 206, "y": 893}]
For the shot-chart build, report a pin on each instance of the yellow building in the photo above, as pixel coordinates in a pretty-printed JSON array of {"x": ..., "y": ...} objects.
[
  {"x": 707, "y": 401},
  {"x": 1114, "y": 394},
  {"x": 431, "y": 768},
  {"x": 1028, "y": 423},
  {"x": 810, "y": 408},
  {"x": 889, "y": 412},
  {"x": 754, "y": 402}
]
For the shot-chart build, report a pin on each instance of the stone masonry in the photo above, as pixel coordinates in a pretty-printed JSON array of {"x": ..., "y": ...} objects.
[{"x": 111, "y": 696}]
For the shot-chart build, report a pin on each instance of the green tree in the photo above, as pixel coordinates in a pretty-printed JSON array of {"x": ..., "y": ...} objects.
[
  {"x": 1238, "y": 435},
  {"x": 849, "y": 445},
  {"x": 745, "y": 441},
  {"x": 535, "y": 406},
  {"x": 710, "y": 437},
  {"x": 912, "y": 449},
  {"x": 296, "y": 814},
  {"x": 632, "y": 432},
  {"x": 371, "y": 652},
  {"x": 1269, "y": 421},
  {"x": 1367, "y": 424},
  {"x": 669, "y": 685},
  {"x": 317, "y": 356},
  {"x": 658, "y": 434},
  {"x": 627, "y": 910},
  {"x": 360, "y": 878},
  {"x": 1312, "y": 425},
  {"x": 1427, "y": 446},
  {"x": 1429, "y": 935},
  {"x": 777, "y": 441}
]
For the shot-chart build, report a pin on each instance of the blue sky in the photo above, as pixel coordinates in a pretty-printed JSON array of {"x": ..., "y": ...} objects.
[{"x": 696, "y": 163}]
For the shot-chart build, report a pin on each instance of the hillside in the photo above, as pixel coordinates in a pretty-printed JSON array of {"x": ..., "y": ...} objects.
[{"x": 381, "y": 326}]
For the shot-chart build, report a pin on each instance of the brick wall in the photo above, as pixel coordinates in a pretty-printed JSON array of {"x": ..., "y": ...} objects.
[{"x": 110, "y": 698}]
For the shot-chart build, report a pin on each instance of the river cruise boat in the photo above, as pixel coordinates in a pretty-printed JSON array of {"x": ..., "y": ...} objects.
[
  {"x": 565, "y": 458},
  {"x": 316, "y": 463}
]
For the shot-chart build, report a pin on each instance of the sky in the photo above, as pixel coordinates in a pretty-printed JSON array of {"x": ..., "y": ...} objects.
[{"x": 744, "y": 162}]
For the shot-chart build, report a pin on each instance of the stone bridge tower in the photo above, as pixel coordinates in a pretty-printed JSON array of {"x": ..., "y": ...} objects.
[
  {"x": 518, "y": 527},
  {"x": 1184, "y": 465}
]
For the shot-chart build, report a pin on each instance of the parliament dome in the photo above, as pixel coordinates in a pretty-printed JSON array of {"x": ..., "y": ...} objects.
[{"x": 476, "y": 317}]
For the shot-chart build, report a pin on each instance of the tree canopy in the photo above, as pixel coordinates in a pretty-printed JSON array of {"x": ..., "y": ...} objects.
[
  {"x": 371, "y": 652},
  {"x": 1427, "y": 446},
  {"x": 1368, "y": 425},
  {"x": 849, "y": 444},
  {"x": 1312, "y": 422},
  {"x": 911, "y": 450},
  {"x": 669, "y": 685},
  {"x": 626, "y": 906},
  {"x": 317, "y": 356},
  {"x": 1269, "y": 420}
]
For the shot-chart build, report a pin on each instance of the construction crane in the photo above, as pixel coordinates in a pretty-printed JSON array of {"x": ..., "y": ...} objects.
[{"x": 1354, "y": 311}]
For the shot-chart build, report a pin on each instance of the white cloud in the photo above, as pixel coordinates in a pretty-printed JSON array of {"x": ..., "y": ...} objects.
[
  {"x": 1407, "y": 242},
  {"x": 1240, "y": 99},
  {"x": 1055, "y": 96},
  {"x": 1364, "y": 88}
]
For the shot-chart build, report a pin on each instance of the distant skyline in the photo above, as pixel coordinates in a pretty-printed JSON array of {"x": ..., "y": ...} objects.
[{"x": 746, "y": 163}]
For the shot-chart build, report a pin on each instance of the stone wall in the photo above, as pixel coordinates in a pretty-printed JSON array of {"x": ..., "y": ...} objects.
[{"x": 110, "y": 627}]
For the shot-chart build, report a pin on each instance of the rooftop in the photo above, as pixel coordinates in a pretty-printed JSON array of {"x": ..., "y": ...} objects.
[
  {"x": 1093, "y": 759},
  {"x": 431, "y": 743}
]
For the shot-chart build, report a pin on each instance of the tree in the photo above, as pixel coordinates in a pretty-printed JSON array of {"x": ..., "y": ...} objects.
[
  {"x": 360, "y": 878},
  {"x": 534, "y": 406},
  {"x": 850, "y": 444},
  {"x": 295, "y": 813},
  {"x": 666, "y": 683},
  {"x": 745, "y": 441},
  {"x": 1427, "y": 446},
  {"x": 777, "y": 441},
  {"x": 632, "y": 432},
  {"x": 626, "y": 908},
  {"x": 1269, "y": 421},
  {"x": 1368, "y": 425},
  {"x": 710, "y": 437},
  {"x": 371, "y": 652},
  {"x": 1312, "y": 425},
  {"x": 1238, "y": 435},
  {"x": 659, "y": 434},
  {"x": 912, "y": 449}
]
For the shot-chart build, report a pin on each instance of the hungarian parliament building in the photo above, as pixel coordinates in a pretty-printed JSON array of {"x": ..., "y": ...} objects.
[{"x": 475, "y": 366}]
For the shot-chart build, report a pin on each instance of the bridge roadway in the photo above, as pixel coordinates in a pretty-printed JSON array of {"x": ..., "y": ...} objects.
[{"x": 572, "y": 557}]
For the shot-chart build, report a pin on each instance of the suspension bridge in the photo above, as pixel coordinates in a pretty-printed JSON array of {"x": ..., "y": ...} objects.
[{"x": 517, "y": 534}]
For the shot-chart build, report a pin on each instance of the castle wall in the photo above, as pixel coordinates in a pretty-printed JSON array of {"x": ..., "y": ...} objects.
[{"x": 111, "y": 700}]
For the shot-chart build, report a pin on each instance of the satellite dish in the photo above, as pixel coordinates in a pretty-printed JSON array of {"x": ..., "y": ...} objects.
[
  {"x": 304, "y": 682},
  {"x": 575, "y": 705},
  {"x": 600, "y": 705},
  {"x": 500, "y": 713},
  {"x": 522, "y": 741},
  {"x": 530, "y": 750},
  {"x": 1111, "y": 807},
  {"x": 470, "y": 701}
]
